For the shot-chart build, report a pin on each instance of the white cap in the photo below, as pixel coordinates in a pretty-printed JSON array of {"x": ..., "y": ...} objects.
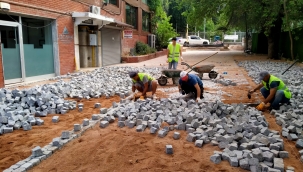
[{"x": 182, "y": 74}]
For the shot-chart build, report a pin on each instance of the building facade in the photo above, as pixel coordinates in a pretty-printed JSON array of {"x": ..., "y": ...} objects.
[{"x": 42, "y": 39}]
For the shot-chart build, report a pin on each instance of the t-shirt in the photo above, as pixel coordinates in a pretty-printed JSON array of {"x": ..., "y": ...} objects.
[
  {"x": 144, "y": 80},
  {"x": 192, "y": 80},
  {"x": 274, "y": 84}
]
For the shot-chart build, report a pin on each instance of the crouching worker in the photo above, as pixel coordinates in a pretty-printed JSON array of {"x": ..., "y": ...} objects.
[
  {"x": 191, "y": 85},
  {"x": 143, "y": 83},
  {"x": 273, "y": 90}
]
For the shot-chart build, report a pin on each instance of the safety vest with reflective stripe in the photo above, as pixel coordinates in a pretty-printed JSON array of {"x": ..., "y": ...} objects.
[
  {"x": 281, "y": 86},
  {"x": 174, "y": 55},
  {"x": 141, "y": 76}
]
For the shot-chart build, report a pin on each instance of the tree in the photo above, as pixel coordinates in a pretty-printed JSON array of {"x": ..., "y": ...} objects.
[{"x": 265, "y": 16}]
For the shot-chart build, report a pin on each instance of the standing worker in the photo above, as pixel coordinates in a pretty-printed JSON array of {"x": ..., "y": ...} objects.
[
  {"x": 173, "y": 54},
  {"x": 191, "y": 84},
  {"x": 143, "y": 83},
  {"x": 273, "y": 90}
]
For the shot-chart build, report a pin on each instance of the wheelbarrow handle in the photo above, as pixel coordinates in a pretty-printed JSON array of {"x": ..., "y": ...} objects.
[{"x": 191, "y": 67}]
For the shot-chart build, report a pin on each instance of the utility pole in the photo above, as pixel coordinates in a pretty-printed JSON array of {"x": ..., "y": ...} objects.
[{"x": 204, "y": 26}]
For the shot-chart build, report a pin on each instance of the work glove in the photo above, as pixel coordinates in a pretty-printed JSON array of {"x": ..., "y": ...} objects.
[
  {"x": 260, "y": 107},
  {"x": 142, "y": 98},
  {"x": 198, "y": 99}
]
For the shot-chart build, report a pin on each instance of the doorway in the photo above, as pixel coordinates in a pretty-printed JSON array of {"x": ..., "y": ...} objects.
[{"x": 10, "y": 50}]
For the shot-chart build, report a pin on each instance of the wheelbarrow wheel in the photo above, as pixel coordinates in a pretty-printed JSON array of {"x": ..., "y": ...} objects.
[
  {"x": 212, "y": 74},
  {"x": 162, "y": 81}
]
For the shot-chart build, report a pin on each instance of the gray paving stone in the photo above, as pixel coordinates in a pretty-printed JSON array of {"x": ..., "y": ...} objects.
[
  {"x": 95, "y": 117},
  {"x": 121, "y": 124},
  {"x": 153, "y": 130},
  {"x": 57, "y": 142},
  {"x": 104, "y": 124},
  {"x": 162, "y": 133},
  {"x": 176, "y": 135},
  {"x": 292, "y": 137},
  {"x": 283, "y": 154},
  {"x": 216, "y": 158},
  {"x": 131, "y": 124},
  {"x": 77, "y": 127},
  {"x": 85, "y": 122},
  {"x": 191, "y": 137},
  {"x": 65, "y": 135},
  {"x": 299, "y": 143},
  {"x": 268, "y": 156},
  {"x": 26, "y": 126},
  {"x": 169, "y": 149},
  {"x": 199, "y": 143},
  {"x": 37, "y": 151},
  {"x": 244, "y": 164},
  {"x": 97, "y": 105},
  {"x": 279, "y": 164},
  {"x": 103, "y": 110},
  {"x": 233, "y": 161}
]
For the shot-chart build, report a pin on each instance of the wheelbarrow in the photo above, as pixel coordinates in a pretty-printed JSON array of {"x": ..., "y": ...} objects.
[
  {"x": 169, "y": 73},
  {"x": 203, "y": 69}
]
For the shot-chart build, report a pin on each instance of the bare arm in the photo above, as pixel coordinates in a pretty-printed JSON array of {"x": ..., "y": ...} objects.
[
  {"x": 258, "y": 87},
  {"x": 272, "y": 93},
  {"x": 198, "y": 90}
]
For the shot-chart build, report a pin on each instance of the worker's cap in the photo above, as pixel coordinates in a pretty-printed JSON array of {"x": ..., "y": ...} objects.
[
  {"x": 263, "y": 74},
  {"x": 174, "y": 39},
  {"x": 132, "y": 73},
  {"x": 183, "y": 76}
]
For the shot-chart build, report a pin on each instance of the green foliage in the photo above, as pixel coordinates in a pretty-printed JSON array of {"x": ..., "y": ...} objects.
[
  {"x": 143, "y": 49},
  {"x": 164, "y": 29}
]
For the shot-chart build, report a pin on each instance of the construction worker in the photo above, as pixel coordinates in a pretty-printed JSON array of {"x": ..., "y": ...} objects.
[
  {"x": 173, "y": 54},
  {"x": 273, "y": 90},
  {"x": 143, "y": 83},
  {"x": 191, "y": 85}
]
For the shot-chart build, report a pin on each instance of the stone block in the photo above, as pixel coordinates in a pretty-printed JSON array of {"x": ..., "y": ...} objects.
[
  {"x": 103, "y": 110},
  {"x": 162, "y": 133},
  {"x": 104, "y": 124},
  {"x": 244, "y": 164},
  {"x": 153, "y": 130},
  {"x": 95, "y": 117},
  {"x": 26, "y": 126},
  {"x": 57, "y": 142},
  {"x": 216, "y": 158},
  {"x": 39, "y": 122},
  {"x": 299, "y": 143},
  {"x": 283, "y": 154},
  {"x": 121, "y": 124},
  {"x": 268, "y": 156},
  {"x": 85, "y": 122},
  {"x": 199, "y": 143},
  {"x": 77, "y": 127},
  {"x": 55, "y": 119},
  {"x": 97, "y": 105},
  {"x": 233, "y": 161},
  {"x": 279, "y": 164},
  {"x": 65, "y": 135},
  {"x": 131, "y": 124},
  {"x": 176, "y": 135},
  {"x": 8, "y": 130},
  {"x": 191, "y": 137},
  {"x": 140, "y": 128},
  {"x": 37, "y": 151},
  {"x": 292, "y": 137},
  {"x": 169, "y": 149}
]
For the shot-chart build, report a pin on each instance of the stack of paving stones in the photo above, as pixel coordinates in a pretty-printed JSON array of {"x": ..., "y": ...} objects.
[
  {"x": 23, "y": 108},
  {"x": 289, "y": 116},
  {"x": 225, "y": 82},
  {"x": 241, "y": 132}
]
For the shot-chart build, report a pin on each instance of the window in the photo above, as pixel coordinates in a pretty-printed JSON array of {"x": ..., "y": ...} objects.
[
  {"x": 114, "y": 2},
  {"x": 132, "y": 16},
  {"x": 144, "y": 1},
  {"x": 145, "y": 21}
]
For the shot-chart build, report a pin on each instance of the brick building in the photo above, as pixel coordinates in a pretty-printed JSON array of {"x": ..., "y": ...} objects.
[{"x": 42, "y": 39}]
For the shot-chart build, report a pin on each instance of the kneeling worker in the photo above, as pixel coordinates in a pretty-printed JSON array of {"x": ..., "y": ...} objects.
[
  {"x": 191, "y": 84},
  {"x": 273, "y": 90},
  {"x": 143, "y": 83}
]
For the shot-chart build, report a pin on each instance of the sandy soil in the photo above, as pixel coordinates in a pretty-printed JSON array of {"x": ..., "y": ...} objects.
[
  {"x": 17, "y": 146},
  {"x": 116, "y": 149},
  {"x": 131, "y": 151}
]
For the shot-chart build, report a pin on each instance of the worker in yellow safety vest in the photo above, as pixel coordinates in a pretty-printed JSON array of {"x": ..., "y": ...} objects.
[
  {"x": 273, "y": 90},
  {"x": 173, "y": 54},
  {"x": 143, "y": 83}
]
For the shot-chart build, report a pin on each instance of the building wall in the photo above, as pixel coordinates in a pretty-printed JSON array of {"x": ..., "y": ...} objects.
[{"x": 61, "y": 10}]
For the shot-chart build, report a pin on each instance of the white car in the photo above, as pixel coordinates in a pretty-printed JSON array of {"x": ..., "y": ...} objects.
[{"x": 193, "y": 40}]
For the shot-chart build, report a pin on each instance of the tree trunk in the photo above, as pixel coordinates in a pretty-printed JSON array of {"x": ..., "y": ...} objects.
[{"x": 274, "y": 38}]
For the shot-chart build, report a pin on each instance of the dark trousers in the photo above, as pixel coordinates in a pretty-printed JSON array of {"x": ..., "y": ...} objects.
[{"x": 191, "y": 89}]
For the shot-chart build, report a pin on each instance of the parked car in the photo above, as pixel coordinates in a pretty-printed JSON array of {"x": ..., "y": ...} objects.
[
  {"x": 170, "y": 40},
  {"x": 193, "y": 40}
]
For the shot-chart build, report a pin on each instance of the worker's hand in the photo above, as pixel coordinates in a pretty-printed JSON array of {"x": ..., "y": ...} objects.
[
  {"x": 134, "y": 95},
  {"x": 197, "y": 100},
  {"x": 142, "y": 98},
  {"x": 251, "y": 91},
  {"x": 260, "y": 107}
]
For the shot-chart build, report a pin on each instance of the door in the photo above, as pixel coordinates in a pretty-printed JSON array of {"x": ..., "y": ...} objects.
[
  {"x": 10, "y": 46},
  {"x": 111, "y": 46}
]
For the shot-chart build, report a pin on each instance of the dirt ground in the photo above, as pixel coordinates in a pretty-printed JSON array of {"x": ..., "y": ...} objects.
[{"x": 116, "y": 149}]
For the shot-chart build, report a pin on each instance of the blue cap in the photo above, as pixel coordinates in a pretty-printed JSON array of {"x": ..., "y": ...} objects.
[{"x": 263, "y": 74}]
